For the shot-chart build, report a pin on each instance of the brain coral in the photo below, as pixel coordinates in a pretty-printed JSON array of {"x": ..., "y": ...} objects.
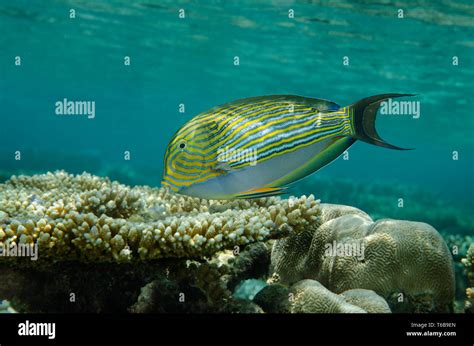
[
  {"x": 367, "y": 300},
  {"x": 90, "y": 218},
  {"x": 398, "y": 257},
  {"x": 309, "y": 296}
]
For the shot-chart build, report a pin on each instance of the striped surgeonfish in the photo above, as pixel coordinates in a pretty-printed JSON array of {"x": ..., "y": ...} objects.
[{"x": 255, "y": 147}]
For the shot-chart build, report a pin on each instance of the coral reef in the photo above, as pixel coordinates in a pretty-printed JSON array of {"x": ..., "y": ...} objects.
[
  {"x": 469, "y": 264},
  {"x": 459, "y": 244},
  {"x": 107, "y": 247},
  {"x": 409, "y": 259},
  {"x": 90, "y": 218}
]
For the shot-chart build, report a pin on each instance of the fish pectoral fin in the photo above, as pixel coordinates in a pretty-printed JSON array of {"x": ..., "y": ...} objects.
[
  {"x": 222, "y": 167},
  {"x": 261, "y": 192}
]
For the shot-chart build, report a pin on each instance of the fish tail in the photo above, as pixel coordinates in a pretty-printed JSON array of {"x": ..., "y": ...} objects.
[{"x": 364, "y": 113}]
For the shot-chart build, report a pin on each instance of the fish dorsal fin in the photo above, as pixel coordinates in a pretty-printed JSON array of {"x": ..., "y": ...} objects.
[
  {"x": 261, "y": 192},
  {"x": 319, "y": 104}
]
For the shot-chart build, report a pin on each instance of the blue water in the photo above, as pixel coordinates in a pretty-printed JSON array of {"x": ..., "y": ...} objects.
[{"x": 191, "y": 61}]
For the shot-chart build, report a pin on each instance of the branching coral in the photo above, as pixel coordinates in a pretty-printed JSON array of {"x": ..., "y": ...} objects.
[
  {"x": 403, "y": 257},
  {"x": 90, "y": 218}
]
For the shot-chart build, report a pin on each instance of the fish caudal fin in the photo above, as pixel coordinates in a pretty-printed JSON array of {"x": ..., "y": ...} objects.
[{"x": 364, "y": 114}]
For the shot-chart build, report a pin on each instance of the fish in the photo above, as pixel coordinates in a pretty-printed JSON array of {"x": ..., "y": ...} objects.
[{"x": 255, "y": 147}]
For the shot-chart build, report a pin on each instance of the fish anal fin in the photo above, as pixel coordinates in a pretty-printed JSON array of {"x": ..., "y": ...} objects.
[{"x": 261, "y": 192}]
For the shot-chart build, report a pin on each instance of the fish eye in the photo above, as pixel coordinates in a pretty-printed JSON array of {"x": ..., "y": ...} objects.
[{"x": 182, "y": 145}]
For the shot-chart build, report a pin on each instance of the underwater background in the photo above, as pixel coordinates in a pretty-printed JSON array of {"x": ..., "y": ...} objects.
[{"x": 183, "y": 53}]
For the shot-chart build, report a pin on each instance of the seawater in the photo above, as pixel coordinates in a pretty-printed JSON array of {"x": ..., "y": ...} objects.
[{"x": 150, "y": 66}]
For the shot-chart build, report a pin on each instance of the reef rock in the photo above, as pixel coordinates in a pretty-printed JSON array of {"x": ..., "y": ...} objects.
[{"x": 156, "y": 286}]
